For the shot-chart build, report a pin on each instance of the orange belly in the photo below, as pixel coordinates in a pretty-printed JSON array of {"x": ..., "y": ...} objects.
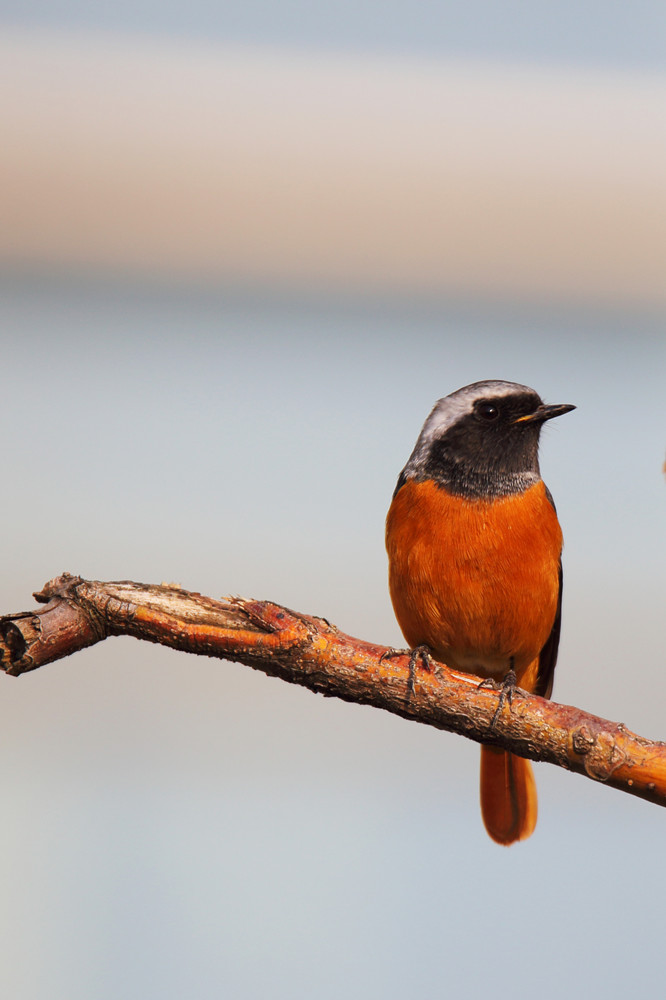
[{"x": 475, "y": 580}]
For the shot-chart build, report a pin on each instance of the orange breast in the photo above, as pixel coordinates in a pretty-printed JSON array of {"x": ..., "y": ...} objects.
[{"x": 475, "y": 580}]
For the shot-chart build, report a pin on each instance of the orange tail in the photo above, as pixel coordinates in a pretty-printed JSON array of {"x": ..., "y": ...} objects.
[{"x": 508, "y": 796}]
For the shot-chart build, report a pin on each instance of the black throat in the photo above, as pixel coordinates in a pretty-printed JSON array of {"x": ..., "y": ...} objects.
[{"x": 474, "y": 484}]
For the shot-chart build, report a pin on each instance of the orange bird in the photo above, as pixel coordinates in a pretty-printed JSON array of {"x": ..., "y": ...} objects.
[{"x": 475, "y": 569}]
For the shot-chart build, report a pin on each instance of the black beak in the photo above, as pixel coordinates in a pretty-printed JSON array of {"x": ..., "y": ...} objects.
[{"x": 545, "y": 412}]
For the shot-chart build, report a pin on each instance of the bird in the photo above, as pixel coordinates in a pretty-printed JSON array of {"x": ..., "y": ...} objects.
[{"x": 475, "y": 564}]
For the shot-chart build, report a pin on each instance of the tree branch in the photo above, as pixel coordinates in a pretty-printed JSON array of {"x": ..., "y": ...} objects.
[{"x": 309, "y": 651}]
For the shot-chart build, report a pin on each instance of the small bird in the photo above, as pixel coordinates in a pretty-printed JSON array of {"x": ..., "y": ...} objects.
[{"x": 475, "y": 571}]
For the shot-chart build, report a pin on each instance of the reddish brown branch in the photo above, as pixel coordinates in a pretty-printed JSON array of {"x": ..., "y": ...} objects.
[{"x": 311, "y": 652}]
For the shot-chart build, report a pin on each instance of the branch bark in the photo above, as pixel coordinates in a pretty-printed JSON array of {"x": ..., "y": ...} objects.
[{"x": 311, "y": 652}]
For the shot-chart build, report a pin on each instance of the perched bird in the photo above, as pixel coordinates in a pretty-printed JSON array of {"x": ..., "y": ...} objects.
[{"x": 475, "y": 570}]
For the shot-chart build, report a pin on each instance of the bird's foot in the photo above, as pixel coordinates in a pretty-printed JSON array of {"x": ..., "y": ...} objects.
[
  {"x": 418, "y": 653},
  {"x": 506, "y": 689}
]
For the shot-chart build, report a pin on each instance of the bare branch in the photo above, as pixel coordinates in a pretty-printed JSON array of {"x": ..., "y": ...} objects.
[{"x": 309, "y": 651}]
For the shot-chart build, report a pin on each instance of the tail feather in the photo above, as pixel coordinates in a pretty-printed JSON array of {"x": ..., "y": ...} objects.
[{"x": 508, "y": 796}]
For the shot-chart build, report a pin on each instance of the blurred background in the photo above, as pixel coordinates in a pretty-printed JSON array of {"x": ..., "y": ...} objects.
[{"x": 243, "y": 249}]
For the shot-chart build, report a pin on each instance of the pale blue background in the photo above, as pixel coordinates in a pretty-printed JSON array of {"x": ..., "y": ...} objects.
[
  {"x": 608, "y": 33},
  {"x": 177, "y": 827}
]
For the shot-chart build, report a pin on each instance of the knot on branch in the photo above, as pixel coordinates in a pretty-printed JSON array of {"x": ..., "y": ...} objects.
[
  {"x": 605, "y": 757},
  {"x": 583, "y": 740},
  {"x": 63, "y": 586}
]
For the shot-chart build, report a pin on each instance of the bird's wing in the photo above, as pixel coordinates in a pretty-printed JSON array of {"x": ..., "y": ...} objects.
[{"x": 548, "y": 655}]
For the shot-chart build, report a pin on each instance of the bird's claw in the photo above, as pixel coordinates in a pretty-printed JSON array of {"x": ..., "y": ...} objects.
[
  {"x": 391, "y": 652},
  {"x": 507, "y": 690},
  {"x": 422, "y": 653},
  {"x": 419, "y": 652}
]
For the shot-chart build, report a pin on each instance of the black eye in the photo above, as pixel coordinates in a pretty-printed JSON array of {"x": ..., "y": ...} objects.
[{"x": 487, "y": 411}]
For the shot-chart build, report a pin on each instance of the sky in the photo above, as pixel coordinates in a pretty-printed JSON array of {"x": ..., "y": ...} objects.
[
  {"x": 607, "y": 34},
  {"x": 176, "y": 826}
]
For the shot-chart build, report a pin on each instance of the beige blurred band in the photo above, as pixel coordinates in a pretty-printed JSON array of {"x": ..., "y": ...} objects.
[{"x": 330, "y": 171}]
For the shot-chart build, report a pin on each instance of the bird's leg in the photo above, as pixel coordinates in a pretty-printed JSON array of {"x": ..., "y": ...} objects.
[
  {"x": 506, "y": 692},
  {"x": 422, "y": 653},
  {"x": 419, "y": 652}
]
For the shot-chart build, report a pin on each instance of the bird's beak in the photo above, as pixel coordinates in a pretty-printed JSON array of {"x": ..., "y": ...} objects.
[{"x": 545, "y": 412}]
